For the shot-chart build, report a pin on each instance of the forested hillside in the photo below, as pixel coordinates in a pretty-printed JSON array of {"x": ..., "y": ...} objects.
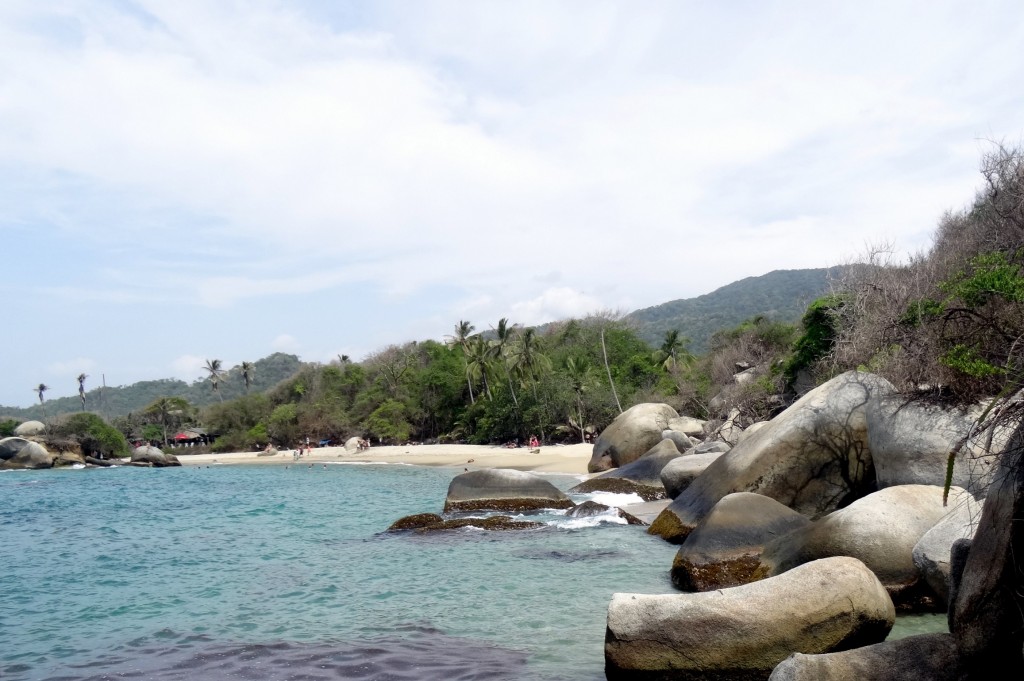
[
  {"x": 121, "y": 400},
  {"x": 781, "y": 295}
]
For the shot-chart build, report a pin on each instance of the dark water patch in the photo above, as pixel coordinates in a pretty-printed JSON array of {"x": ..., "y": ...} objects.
[
  {"x": 570, "y": 556},
  {"x": 425, "y": 655}
]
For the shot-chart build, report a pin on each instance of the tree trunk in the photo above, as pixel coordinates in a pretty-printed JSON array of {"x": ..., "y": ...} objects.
[{"x": 607, "y": 368}]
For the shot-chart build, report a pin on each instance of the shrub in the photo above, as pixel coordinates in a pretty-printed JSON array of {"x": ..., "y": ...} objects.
[
  {"x": 7, "y": 427},
  {"x": 93, "y": 434}
]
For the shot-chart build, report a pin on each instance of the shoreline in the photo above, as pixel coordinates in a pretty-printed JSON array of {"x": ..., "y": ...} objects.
[{"x": 567, "y": 459}]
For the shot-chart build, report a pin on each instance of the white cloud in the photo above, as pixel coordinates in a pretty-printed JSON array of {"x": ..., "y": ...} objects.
[
  {"x": 188, "y": 367},
  {"x": 553, "y": 304},
  {"x": 72, "y": 367},
  {"x": 254, "y": 158},
  {"x": 285, "y": 343}
]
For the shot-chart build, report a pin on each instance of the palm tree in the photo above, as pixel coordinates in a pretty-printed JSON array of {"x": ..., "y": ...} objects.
[
  {"x": 478, "y": 363},
  {"x": 672, "y": 349},
  {"x": 530, "y": 359},
  {"x": 463, "y": 331},
  {"x": 81, "y": 388},
  {"x": 165, "y": 407},
  {"x": 501, "y": 345},
  {"x": 213, "y": 368},
  {"x": 40, "y": 389},
  {"x": 248, "y": 369},
  {"x": 581, "y": 376}
]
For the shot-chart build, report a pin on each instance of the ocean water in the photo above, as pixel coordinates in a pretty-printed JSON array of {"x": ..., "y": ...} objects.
[
  {"x": 264, "y": 572},
  {"x": 267, "y": 572}
]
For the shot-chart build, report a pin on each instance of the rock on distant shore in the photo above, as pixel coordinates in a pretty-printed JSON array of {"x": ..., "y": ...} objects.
[
  {"x": 30, "y": 428},
  {"x": 17, "y": 452},
  {"x": 630, "y": 435},
  {"x": 154, "y": 457}
]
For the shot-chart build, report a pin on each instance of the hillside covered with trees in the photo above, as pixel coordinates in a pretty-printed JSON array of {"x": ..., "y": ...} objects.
[
  {"x": 781, "y": 295},
  {"x": 115, "y": 401}
]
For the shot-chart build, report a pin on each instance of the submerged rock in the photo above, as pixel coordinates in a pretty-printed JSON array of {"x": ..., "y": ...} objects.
[
  {"x": 431, "y": 522},
  {"x": 589, "y": 509}
]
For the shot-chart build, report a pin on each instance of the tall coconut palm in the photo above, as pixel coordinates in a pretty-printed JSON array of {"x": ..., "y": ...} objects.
[
  {"x": 478, "y": 363},
  {"x": 463, "y": 332},
  {"x": 164, "y": 408},
  {"x": 215, "y": 374},
  {"x": 40, "y": 389},
  {"x": 530, "y": 359},
  {"x": 581, "y": 377},
  {"x": 673, "y": 350},
  {"x": 501, "y": 345},
  {"x": 81, "y": 388},
  {"x": 248, "y": 370}
]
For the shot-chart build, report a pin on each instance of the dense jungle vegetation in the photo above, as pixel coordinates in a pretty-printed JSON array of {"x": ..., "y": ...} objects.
[{"x": 946, "y": 323}]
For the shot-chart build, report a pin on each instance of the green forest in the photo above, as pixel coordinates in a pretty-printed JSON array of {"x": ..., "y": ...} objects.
[{"x": 943, "y": 324}]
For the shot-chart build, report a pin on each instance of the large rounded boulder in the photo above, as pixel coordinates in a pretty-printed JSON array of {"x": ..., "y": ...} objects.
[
  {"x": 30, "y": 428},
  {"x": 687, "y": 425},
  {"x": 498, "y": 489},
  {"x": 630, "y": 435},
  {"x": 910, "y": 443},
  {"x": 641, "y": 477},
  {"x": 987, "y": 612},
  {"x": 19, "y": 453},
  {"x": 813, "y": 457},
  {"x": 154, "y": 457},
  {"x": 679, "y": 473},
  {"x": 742, "y": 633},
  {"x": 881, "y": 530},
  {"x": 928, "y": 656},
  {"x": 932, "y": 552},
  {"x": 725, "y": 547}
]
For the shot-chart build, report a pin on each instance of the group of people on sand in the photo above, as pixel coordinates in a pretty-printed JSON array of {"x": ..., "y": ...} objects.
[{"x": 514, "y": 444}]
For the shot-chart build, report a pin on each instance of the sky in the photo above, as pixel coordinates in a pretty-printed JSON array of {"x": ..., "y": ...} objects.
[{"x": 185, "y": 180}]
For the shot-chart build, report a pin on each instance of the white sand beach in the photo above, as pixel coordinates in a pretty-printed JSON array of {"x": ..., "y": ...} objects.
[{"x": 570, "y": 459}]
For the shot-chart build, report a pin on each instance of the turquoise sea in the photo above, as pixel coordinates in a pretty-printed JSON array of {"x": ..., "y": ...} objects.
[{"x": 267, "y": 572}]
